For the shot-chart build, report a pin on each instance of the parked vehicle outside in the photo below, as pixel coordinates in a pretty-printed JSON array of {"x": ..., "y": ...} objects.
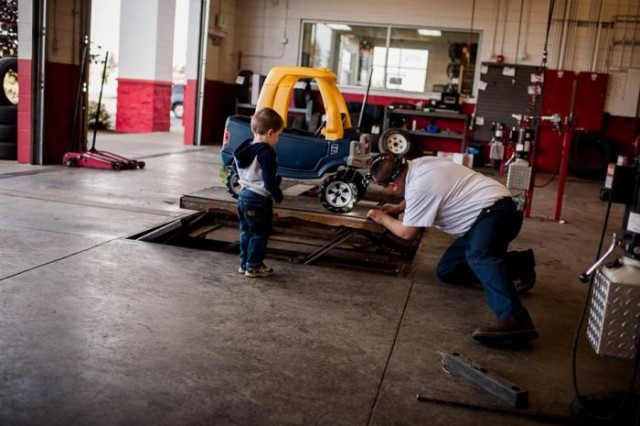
[{"x": 177, "y": 95}]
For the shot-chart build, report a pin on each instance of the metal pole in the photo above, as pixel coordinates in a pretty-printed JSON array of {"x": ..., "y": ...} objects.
[
  {"x": 95, "y": 121},
  {"x": 366, "y": 97},
  {"x": 594, "y": 63},
  {"x": 202, "y": 68},
  {"x": 76, "y": 108},
  {"x": 40, "y": 55},
  {"x": 567, "y": 137},
  {"x": 386, "y": 58},
  {"x": 536, "y": 123}
]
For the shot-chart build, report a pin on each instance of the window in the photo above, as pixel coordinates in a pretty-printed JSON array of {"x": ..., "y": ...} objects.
[{"x": 401, "y": 58}]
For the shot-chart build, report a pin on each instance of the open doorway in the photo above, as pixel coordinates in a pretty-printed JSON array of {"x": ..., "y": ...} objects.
[{"x": 106, "y": 33}]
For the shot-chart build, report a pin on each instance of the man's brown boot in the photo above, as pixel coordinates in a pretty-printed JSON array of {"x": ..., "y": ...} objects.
[{"x": 507, "y": 330}]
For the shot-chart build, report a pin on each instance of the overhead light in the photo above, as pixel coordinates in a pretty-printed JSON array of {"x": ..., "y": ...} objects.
[
  {"x": 339, "y": 27},
  {"x": 434, "y": 33}
]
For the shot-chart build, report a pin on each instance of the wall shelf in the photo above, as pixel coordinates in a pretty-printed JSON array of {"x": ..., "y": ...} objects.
[{"x": 452, "y": 125}]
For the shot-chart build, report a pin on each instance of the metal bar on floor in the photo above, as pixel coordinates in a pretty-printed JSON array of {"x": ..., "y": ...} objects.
[
  {"x": 512, "y": 394},
  {"x": 343, "y": 235}
]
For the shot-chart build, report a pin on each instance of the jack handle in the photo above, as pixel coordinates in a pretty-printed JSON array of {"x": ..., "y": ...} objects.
[
  {"x": 555, "y": 119},
  {"x": 586, "y": 276}
]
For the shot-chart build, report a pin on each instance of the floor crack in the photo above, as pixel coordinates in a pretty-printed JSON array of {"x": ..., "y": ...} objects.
[{"x": 393, "y": 346}]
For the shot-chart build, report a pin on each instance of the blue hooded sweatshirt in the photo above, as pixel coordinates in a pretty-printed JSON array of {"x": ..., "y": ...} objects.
[{"x": 256, "y": 165}]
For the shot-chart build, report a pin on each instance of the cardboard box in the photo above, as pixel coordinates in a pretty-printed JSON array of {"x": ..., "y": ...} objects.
[
  {"x": 463, "y": 159},
  {"x": 445, "y": 155}
]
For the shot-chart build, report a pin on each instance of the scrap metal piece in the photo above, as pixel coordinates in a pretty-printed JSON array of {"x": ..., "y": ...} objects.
[{"x": 513, "y": 394}]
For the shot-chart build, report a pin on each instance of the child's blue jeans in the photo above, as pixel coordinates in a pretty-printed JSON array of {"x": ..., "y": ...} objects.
[{"x": 255, "y": 213}]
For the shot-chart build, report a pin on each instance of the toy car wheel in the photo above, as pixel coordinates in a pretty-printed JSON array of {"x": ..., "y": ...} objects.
[
  {"x": 70, "y": 162},
  {"x": 233, "y": 185},
  {"x": 357, "y": 179},
  {"x": 338, "y": 195},
  {"x": 394, "y": 141},
  {"x": 141, "y": 164}
]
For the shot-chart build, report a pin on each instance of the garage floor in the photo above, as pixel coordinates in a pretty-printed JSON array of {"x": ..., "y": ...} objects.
[{"x": 98, "y": 329}]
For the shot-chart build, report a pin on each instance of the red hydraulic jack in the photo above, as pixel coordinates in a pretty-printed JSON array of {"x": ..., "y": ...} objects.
[{"x": 100, "y": 159}]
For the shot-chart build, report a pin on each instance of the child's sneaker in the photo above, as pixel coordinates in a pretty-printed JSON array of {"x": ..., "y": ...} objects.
[
  {"x": 262, "y": 271},
  {"x": 241, "y": 270}
]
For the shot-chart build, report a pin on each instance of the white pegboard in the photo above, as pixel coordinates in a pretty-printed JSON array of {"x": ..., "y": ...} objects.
[{"x": 623, "y": 93}]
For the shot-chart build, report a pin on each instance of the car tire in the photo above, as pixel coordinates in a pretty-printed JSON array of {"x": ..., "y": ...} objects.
[
  {"x": 8, "y": 151},
  {"x": 590, "y": 155},
  {"x": 9, "y": 114},
  {"x": 395, "y": 141},
  {"x": 178, "y": 109},
  {"x": 6, "y": 65},
  {"x": 8, "y": 133},
  {"x": 337, "y": 194},
  {"x": 233, "y": 184}
]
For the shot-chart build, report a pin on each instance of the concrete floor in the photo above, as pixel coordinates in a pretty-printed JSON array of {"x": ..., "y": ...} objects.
[{"x": 97, "y": 329}]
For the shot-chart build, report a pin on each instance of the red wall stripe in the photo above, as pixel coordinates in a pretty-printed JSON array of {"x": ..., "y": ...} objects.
[
  {"x": 24, "y": 111},
  {"x": 143, "y": 106}
]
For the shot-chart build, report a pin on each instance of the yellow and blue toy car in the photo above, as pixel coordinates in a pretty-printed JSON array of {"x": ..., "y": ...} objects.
[{"x": 335, "y": 149}]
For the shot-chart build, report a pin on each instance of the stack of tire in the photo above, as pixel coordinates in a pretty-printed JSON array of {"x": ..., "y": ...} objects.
[{"x": 8, "y": 112}]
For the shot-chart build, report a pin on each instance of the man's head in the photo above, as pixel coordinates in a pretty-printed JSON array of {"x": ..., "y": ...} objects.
[
  {"x": 266, "y": 125},
  {"x": 388, "y": 170}
]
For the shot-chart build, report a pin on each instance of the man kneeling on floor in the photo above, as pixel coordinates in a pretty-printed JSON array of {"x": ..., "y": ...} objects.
[{"x": 481, "y": 213}]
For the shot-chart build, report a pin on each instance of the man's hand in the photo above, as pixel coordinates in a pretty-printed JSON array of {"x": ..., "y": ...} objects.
[
  {"x": 394, "y": 209},
  {"x": 394, "y": 225},
  {"x": 377, "y": 215}
]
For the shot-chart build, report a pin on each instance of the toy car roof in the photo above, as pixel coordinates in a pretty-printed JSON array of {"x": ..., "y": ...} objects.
[{"x": 278, "y": 87}]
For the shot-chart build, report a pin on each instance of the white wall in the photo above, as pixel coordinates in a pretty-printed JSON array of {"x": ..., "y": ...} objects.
[
  {"x": 146, "y": 39},
  {"x": 263, "y": 27},
  {"x": 25, "y": 29}
]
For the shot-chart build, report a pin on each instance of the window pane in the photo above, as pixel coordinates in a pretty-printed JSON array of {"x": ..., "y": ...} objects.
[
  {"x": 349, "y": 51},
  {"x": 416, "y": 60},
  {"x": 443, "y": 48},
  {"x": 407, "y": 69}
]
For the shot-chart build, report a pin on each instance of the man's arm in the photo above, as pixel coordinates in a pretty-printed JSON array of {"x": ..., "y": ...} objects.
[
  {"x": 394, "y": 225},
  {"x": 394, "y": 209}
]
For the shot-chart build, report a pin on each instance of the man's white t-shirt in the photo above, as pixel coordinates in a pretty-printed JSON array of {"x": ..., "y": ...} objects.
[{"x": 446, "y": 195}]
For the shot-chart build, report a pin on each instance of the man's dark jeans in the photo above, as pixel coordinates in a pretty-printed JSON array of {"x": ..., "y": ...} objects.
[
  {"x": 255, "y": 213},
  {"x": 479, "y": 255}
]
